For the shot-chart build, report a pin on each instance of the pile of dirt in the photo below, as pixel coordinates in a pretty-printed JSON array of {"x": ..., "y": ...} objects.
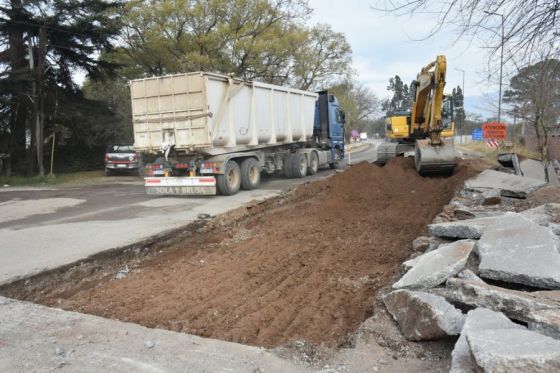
[{"x": 304, "y": 267}]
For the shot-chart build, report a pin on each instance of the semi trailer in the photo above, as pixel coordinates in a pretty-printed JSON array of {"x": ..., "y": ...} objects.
[{"x": 213, "y": 133}]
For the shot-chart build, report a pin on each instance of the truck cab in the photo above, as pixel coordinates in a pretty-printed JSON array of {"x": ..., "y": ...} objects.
[{"x": 328, "y": 129}]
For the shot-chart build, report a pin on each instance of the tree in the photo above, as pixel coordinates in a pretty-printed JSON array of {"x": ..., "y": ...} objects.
[
  {"x": 458, "y": 105},
  {"x": 44, "y": 44},
  {"x": 530, "y": 26},
  {"x": 253, "y": 39},
  {"x": 358, "y": 101},
  {"x": 401, "y": 100},
  {"x": 535, "y": 96}
]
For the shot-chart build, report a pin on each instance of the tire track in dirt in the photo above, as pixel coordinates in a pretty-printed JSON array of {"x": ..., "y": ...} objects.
[{"x": 305, "y": 267}]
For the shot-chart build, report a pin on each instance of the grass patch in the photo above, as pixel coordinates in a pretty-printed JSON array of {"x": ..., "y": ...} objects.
[
  {"x": 82, "y": 177},
  {"x": 490, "y": 154}
]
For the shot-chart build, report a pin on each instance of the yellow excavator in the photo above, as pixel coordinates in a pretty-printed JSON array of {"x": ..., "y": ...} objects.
[{"x": 424, "y": 132}]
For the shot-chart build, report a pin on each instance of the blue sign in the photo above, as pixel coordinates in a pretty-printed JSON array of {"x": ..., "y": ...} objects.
[{"x": 477, "y": 134}]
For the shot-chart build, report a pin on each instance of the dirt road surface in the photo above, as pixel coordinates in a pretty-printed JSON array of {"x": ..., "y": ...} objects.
[
  {"x": 43, "y": 228},
  {"x": 302, "y": 267}
]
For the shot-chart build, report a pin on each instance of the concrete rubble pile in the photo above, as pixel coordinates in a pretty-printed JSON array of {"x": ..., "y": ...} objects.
[{"x": 489, "y": 273}]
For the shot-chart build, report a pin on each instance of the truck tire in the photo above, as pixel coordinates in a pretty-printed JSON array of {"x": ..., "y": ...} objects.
[
  {"x": 250, "y": 174},
  {"x": 313, "y": 163},
  {"x": 108, "y": 171},
  {"x": 230, "y": 181},
  {"x": 287, "y": 166},
  {"x": 299, "y": 165}
]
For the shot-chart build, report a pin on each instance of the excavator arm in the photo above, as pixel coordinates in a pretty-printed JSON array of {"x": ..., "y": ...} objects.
[
  {"x": 432, "y": 154},
  {"x": 428, "y": 101}
]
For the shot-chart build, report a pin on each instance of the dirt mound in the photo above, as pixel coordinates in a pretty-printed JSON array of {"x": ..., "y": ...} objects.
[{"x": 304, "y": 267}]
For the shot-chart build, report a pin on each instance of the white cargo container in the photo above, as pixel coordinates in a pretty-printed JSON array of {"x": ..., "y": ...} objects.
[
  {"x": 214, "y": 113},
  {"x": 203, "y": 123}
]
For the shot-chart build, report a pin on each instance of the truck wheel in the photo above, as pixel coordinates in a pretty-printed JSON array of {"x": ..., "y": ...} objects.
[
  {"x": 299, "y": 165},
  {"x": 287, "y": 166},
  {"x": 250, "y": 174},
  {"x": 108, "y": 172},
  {"x": 313, "y": 163},
  {"x": 229, "y": 183}
]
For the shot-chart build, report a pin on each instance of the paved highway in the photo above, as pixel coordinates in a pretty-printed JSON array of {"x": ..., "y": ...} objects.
[{"x": 46, "y": 228}]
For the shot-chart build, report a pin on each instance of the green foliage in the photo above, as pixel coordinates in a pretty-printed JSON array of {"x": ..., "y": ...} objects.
[
  {"x": 458, "y": 107},
  {"x": 64, "y": 37},
  {"x": 358, "y": 102},
  {"x": 401, "y": 100},
  {"x": 252, "y": 39}
]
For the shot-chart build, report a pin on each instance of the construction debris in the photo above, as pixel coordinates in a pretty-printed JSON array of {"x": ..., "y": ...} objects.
[
  {"x": 470, "y": 228},
  {"x": 423, "y": 316},
  {"x": 516, "y": 250},
  {"x": 514, "y": 242},
  {"x": 513, "y": 186},
  {"x": 467, "y": 274},
  {"x": 434, "y": 267},
  {"x": 513, "y": 350},
  {"x": 518, "y": 305},
  {"x": 544, "y": 215},
  {"x": 477, "y": 319}
]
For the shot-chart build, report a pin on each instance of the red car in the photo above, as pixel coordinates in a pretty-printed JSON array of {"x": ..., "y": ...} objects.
[{"x": 122, "y": 158}]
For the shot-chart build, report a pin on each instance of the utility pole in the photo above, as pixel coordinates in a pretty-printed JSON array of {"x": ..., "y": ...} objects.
[
  {"x": 501, "y": 63},
  {"x": 463, "y": 113}
]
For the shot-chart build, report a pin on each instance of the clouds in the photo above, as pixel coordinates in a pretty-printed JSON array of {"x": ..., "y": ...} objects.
[{"x": 384, "y": 45}]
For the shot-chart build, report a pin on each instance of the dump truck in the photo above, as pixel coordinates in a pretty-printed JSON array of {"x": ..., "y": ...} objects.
[{"x": 213, "y": 133}]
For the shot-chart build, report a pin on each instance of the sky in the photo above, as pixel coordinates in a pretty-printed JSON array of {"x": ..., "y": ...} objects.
[{"x": 384, "y": 46}]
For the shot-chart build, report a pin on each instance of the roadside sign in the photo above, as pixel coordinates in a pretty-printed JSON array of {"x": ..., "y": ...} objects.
[
  {"x": 492, "y": 143},
  {"x": 477, "y": 134},
  {"x": 494, "y": 130}
]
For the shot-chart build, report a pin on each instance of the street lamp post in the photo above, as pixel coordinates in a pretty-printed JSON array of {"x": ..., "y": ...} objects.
[
  {"x": 501, "y": 64},
  {"x": 463, "y": 116}
]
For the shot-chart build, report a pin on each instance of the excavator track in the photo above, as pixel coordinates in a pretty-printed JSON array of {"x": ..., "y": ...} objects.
[
  {"x": 389, "y": 150},
  {"x": 434, "y": 159}
]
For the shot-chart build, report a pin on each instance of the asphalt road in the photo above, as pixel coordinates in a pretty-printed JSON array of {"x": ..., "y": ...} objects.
[{"x": 43, "y": 228}]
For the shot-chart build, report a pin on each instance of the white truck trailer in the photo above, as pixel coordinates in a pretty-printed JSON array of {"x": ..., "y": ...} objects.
[{"x": 215, "y": 133}]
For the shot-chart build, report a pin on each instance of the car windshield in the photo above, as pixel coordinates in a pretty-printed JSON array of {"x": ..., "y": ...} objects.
[{"x": 120, "y": 149}]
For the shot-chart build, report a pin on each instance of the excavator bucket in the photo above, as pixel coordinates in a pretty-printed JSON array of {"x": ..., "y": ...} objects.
[{"x": 434, "y": 159}]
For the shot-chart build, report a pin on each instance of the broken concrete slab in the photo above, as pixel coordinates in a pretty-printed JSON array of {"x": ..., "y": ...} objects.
[
  {"x": 435, "y": 242},
  {"x": 514, "y": 249},
  {"x": 434, "y": 267},
  {"x": 533, "y": 168},
  {"x": 514, "y": 350},
  {"x": 467, "y": 274},
  {"x": 423, "y": 316},
  {"x": 510, "y": 160},
  {"x": 410, "y": 263},
  {"x": 518, "y": 305},
  {"x": 544, "y": 214},
  {"x": 546, "y": 322},
  {"x": 476, "y": 212},
  {"x": 491, "y": 197},
  {"x": 420, "y": 243},
  {"x": 477, "y": 319},
  {"x": 470, "y": 228},
  {"x": 510, "y": 185}
]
